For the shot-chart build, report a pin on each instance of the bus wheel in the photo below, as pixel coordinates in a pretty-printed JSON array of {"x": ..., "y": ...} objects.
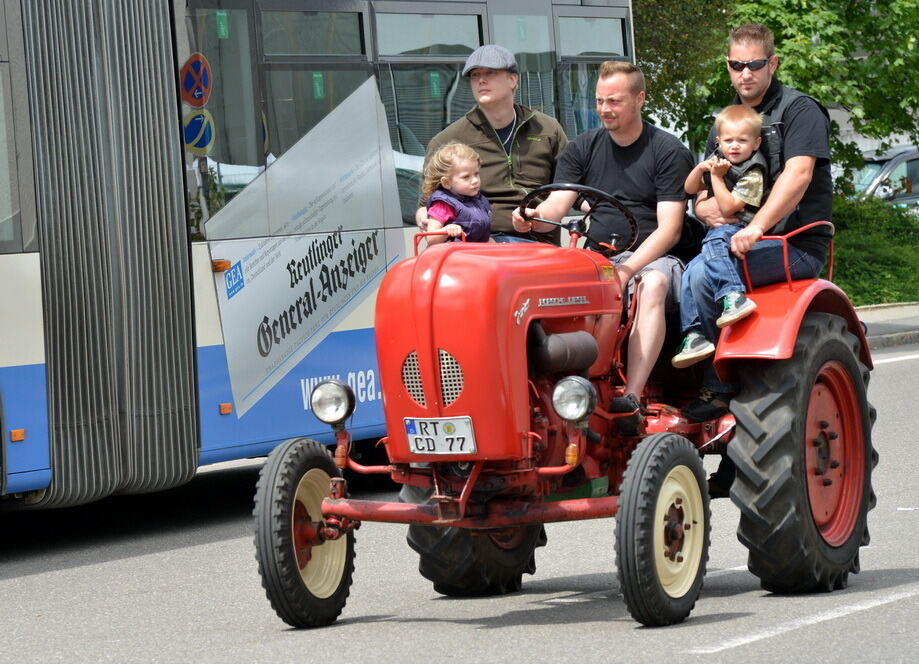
[
  {"x": 307, "y": 580},
  {"x": 662, "y": 530}
]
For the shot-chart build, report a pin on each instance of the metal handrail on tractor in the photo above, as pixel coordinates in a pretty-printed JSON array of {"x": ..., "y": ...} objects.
[{"x": 784, "y": 241}]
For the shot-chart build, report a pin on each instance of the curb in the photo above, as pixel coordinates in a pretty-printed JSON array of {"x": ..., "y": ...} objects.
[
  {"x": 889, "y": 305},
  {"x": 875, "y": 314},
  {"x": 894, "y": 339}
]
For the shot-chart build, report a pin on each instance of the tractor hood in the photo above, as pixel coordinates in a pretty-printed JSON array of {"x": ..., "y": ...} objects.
[{"x": 451, "y": 330}]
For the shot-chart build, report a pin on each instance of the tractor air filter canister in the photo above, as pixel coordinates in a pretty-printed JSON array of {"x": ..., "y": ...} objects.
[{"x": 564, "y": 352}]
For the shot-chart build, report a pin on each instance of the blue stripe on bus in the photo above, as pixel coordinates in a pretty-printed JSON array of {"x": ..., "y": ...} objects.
[
  {"x": 25, "y": 406},
  {"x": 283, "y": 412},
  {"x": 30, "y": 480}
]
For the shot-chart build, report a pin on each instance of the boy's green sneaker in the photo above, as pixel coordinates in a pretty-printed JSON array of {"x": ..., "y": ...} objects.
[
  {"x": 695, "y": 348},
  {"x": 736, "y": 306}
]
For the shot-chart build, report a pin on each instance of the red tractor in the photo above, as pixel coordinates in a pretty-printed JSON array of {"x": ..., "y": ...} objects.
[{"x": 498, "y": 362}]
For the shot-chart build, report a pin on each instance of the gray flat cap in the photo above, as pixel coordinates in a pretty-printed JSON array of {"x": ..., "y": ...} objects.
[{"x": 490, "y": 56}]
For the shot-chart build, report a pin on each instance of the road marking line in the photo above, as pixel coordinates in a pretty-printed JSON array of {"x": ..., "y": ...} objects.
[
  {"x": 888, "y": 360},
  {"x": 792, "y": 625},
  {"x": 907, "y": 509},
  {"x": 570, "y": 599},
  {"x": 727, "y": 570}
]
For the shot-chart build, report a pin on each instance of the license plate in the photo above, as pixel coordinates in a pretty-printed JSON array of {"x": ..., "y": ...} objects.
[{"x": 440, "y": 435}]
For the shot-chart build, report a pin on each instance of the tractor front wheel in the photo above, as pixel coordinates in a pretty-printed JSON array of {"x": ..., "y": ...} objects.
[
  {"x": 662, "y": 530},
  {"x": 804, "y": 460},
  {"x": 306, "y": 578}
]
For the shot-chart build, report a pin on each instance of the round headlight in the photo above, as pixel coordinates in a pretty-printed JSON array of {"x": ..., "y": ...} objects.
[
  {"x": 332, "y": 401},
  {"x": 574, "y": 398}
]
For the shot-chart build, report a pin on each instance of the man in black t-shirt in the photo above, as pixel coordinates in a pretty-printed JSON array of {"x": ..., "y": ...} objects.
[
  {"x": 644, "y": 168},
  {"x": 802, "y": 192}
]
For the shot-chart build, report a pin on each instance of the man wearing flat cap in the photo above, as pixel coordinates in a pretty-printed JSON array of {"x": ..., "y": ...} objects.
[{"x": 517, "y": 145}]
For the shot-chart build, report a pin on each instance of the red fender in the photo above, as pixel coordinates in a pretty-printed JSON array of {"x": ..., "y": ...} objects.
[{"x": 770, "y": 332}]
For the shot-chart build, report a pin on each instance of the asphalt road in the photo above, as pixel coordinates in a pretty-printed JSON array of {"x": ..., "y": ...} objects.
[{"x": 171, "y": 577}]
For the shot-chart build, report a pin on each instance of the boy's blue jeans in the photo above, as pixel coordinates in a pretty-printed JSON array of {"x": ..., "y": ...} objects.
[
  {"x": 721, "y": 276},
  {"x": 699, "y": 309},
  {"x": 720, "y": 265}
]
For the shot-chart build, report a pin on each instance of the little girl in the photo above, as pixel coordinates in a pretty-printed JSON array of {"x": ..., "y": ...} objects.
[{"x": 451, "y": 192}]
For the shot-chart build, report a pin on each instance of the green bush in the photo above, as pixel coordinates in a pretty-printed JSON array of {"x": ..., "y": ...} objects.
[{"x": 877, "y": 251}]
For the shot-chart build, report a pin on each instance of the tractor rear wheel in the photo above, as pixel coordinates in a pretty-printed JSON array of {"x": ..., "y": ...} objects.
[
  {"x": 804, "y": 460},
  {"x": 464, "y": 563},
  {"x": 662, "y": 530},
  {"x": 307, "y": 580}
]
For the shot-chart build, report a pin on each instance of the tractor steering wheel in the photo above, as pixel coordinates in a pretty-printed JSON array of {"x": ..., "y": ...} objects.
[{"x": 579, "y": 225}]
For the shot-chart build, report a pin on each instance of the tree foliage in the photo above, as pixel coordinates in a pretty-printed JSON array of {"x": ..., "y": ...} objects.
[
  {"x": 680, "y": 48},
  {"x": 859, "y": 55}
]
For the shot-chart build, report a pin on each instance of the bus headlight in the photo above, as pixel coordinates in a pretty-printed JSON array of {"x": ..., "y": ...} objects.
[
  {"x": 574, "y": 398},
  {"x": 332, "y": 401}
]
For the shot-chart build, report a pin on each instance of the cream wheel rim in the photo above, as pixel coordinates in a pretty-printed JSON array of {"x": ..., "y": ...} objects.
[
  {"x": 321, "y": 565},
  {"x": 678, "y": 531}
]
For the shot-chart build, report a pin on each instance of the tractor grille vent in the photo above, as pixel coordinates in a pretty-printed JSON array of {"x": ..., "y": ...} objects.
[
  {"x": 411, "y": 378},
  {"x": 451, "y": 378}
]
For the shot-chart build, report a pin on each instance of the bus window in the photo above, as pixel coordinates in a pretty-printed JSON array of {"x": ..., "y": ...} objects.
[
  {"x": 420, "y": 100},
  {"x": 586, "y": 36},
  {"x": 576, "y": 89},
  {"x": 590, "y": 35},
  {"x": 428, "y": 34},
  {"x": 298, "y": 98},
  {"x": 312, "y": 33},
  {"x": 225, "y": 160},
  {"x": 528, "y": 37},
  {"x": 9, "y": 207},
  {"x": 421, "y": 57},
  {"x": 311, "y": 62}
]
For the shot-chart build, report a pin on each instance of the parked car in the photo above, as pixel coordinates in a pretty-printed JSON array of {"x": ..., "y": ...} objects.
[{"x": 892, "y": 175}]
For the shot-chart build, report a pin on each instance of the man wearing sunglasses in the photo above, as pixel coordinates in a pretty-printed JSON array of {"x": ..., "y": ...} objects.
[{"x": 799, "y": 158}]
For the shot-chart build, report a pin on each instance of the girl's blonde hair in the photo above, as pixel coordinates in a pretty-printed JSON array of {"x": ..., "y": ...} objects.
[{"x": 442, "y": 162}]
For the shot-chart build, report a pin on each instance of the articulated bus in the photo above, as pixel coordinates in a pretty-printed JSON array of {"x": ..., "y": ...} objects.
[{"x": 198, "y": 199}]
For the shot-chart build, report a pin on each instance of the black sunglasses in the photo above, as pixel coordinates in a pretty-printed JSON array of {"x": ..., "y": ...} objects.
[{"x": 752, "y": 65}]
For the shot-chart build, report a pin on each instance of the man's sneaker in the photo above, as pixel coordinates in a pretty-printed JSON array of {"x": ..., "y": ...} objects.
[
  {"x": 695, "y": 348},
  {"x": 736, "y": 306},
  {"x": 629, "y": 425},
  {"x": 708, "y": 406}
]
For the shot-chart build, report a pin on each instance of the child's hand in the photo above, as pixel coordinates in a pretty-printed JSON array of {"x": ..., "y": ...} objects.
[
  {"x": 706, "y": 165},
  {"x": 721, "y": 167},
  {"x": 453, "y": 230}
]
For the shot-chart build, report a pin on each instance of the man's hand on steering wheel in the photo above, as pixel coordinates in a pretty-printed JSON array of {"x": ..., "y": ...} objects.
[
  {"x": 521, "y": 224},
  {"x": 590, "y": 198}
]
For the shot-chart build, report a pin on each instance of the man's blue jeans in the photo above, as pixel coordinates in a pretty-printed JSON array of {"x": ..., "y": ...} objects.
[{"x": 766, "y": 266}]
